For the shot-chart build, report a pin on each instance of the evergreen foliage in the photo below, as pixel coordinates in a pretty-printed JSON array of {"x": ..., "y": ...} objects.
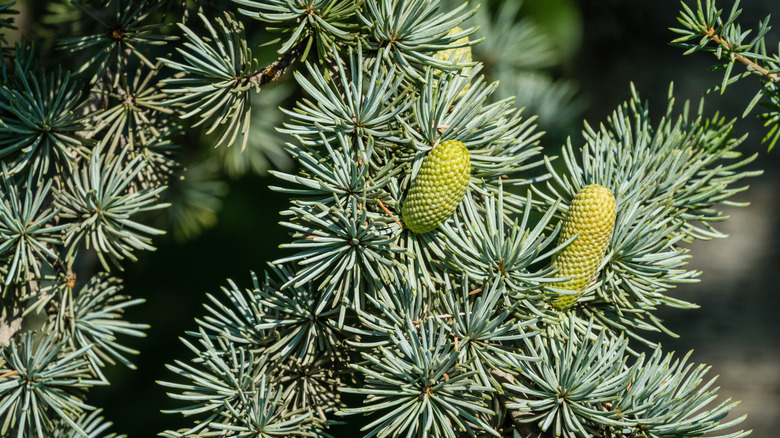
[
  {"x": 706, "y": 28},
  {"x": 448, "y": 331}
]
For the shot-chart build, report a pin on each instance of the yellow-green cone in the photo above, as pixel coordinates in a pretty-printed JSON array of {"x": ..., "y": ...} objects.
[
  {"x": 592, "y": 215},
  {"x": 438, "y": 188},
  {"x": 460, "y": 54}
]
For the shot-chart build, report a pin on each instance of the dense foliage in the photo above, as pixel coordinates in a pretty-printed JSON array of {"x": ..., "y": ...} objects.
[{"x": 450, "y": 329}]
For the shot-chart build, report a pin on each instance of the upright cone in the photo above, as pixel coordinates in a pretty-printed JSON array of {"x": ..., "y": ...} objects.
[
  {"x": 438, "y": 188},
  {"x": 592, "y": 215}
]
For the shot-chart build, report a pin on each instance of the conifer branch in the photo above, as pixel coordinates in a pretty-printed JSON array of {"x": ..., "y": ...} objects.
[
  {"x": 707, "y": 25},
  {"x": 710, "y": 32},
  {"x": 415, "y": 277}
]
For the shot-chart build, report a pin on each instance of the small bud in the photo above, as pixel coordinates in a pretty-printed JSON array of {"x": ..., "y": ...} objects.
[
  {"x": 438, "y": 188},
  {"x": 592, "y": 215}
]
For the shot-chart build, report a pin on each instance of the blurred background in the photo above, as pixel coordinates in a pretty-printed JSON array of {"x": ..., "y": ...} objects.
[{"x": 224, "y": 219}]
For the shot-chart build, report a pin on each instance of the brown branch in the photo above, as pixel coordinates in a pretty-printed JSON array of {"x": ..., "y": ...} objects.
[
  {"x": 9, "y": 374},
  {"x": 276, "y": 69},
  {"x": 710, "y": 32},
  {"x": 382, "y": 205}
]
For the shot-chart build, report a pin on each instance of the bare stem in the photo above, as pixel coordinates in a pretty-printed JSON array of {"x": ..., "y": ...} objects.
[{"x": 276, "y": 69}]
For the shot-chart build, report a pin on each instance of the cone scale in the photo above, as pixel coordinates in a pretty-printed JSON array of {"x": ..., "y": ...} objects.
[
  {"x": 438, "y": 188},
  {"x": 592, "y": 215}
]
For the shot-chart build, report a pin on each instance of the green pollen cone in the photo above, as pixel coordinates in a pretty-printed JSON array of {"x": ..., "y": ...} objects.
[
  {"x": 460, "y": 54},
  {"x": 438, "y": 188},
  {"x": 592, "y": 215}
]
